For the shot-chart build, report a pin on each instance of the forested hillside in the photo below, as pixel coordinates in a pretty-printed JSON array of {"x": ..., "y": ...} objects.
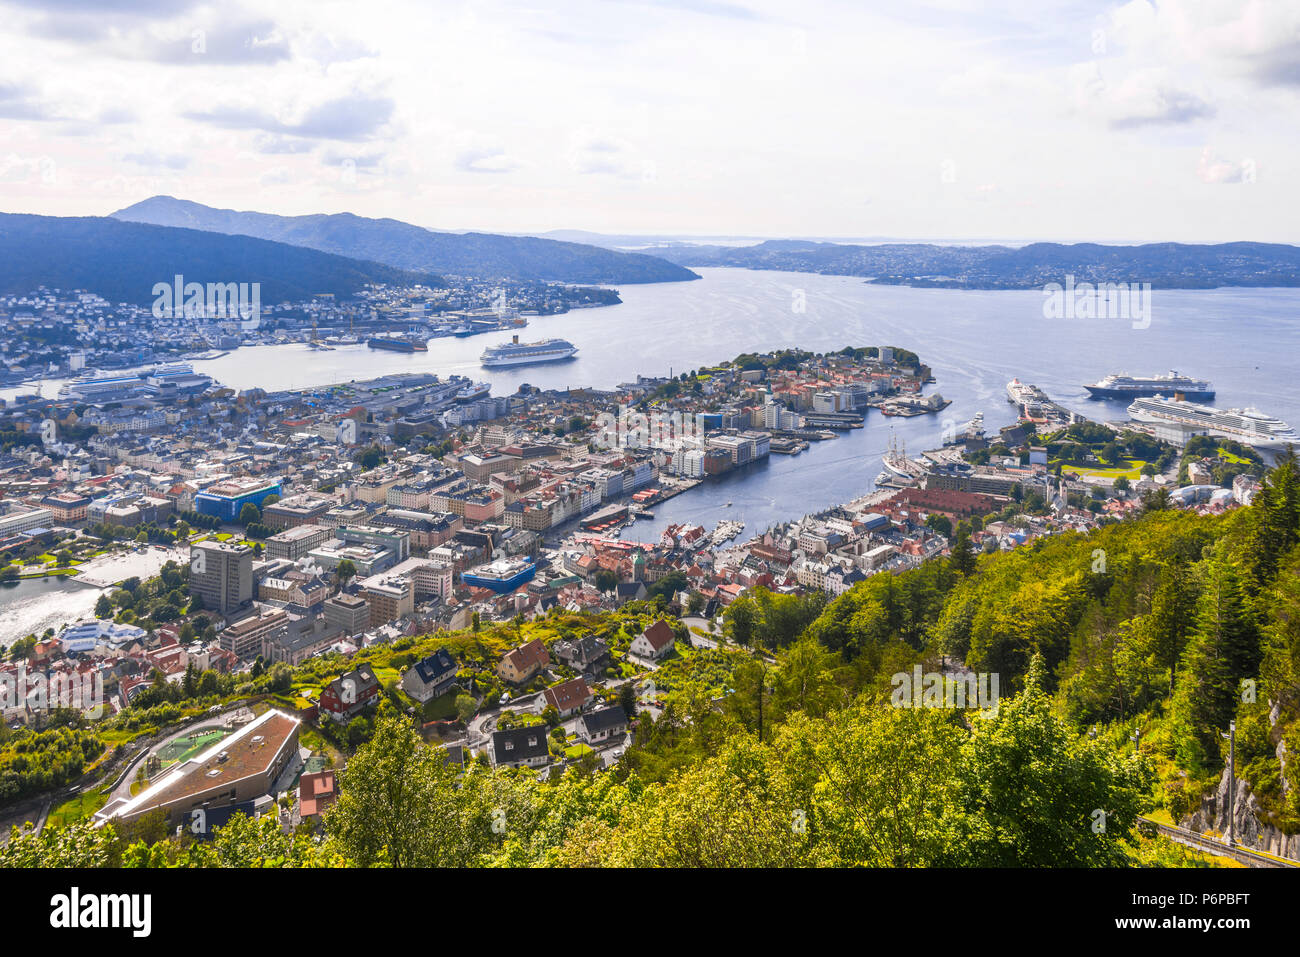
[
  {"x": 122, "y": 261},
  {"x": 1121, "y": 656}
]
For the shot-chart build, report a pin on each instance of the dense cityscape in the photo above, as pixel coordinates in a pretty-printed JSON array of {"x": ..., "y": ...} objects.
[{"x": 837, "y": 443}]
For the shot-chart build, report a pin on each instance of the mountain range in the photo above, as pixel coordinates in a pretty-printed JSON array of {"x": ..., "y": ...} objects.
[
  {"x": 404, "y": 246},
  {"x": 1163, "y": 265},
  {"x": 122, "y": 261}
]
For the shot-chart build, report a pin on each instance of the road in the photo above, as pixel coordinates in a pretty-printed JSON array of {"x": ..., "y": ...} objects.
[
  {"x": 1201, "y": 842},
  {"x": 699, "y": 641}
]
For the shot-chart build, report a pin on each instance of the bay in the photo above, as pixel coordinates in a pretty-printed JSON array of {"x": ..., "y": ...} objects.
[{"x": 1244, "y": 340}]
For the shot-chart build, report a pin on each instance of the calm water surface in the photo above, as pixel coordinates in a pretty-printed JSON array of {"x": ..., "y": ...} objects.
[{"x": 1244, "y": 340}]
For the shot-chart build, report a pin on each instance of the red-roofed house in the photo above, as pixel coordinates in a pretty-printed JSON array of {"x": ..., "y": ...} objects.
[
  {"x": 523, "y": 662},
  {"x": 568, "y": 697},
  {"x": 655, "y": 642},
  {"x": 316, "y": 794}
]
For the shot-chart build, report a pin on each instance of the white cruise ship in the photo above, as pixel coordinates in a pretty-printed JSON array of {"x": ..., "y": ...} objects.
[
  {"x": 1121, "y": 386},
  {"x": 516, "y": 353},
  {"x": 1248, "y": 426}
]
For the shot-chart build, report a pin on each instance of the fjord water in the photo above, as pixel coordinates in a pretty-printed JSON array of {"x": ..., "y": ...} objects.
[{"x": 1244, "y": 340}]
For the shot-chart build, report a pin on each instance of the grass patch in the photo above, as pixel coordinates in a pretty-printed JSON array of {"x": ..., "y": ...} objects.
[
  {"x": 443, "y": 707},
  {"x": 49, "y": 573},
  {"x": 183, "y": 748},
  {"x": 1133, "y": 472},
  {"x": 77, "y": 809}
]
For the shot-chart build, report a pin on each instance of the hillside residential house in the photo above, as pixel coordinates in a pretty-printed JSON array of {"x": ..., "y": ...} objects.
[
  {"x": 585, "y": 654},
  {"x": 431, "y": 677},
  {"x": 520, "y": 747},
  {"x": 568, "y": 697},
  {"x": 316, "y": 794},
  {"x": 655, "y": 642},
  {"x": 603, "y": 724},
  {"x": 520, "y": 664},
  {"x": 348, "y": 694}
]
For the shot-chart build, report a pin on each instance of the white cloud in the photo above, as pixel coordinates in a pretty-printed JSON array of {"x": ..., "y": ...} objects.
[{"x": 758, "y": 117}]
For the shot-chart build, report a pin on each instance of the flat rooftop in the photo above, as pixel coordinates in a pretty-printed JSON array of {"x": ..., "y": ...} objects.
[{"x": 249, "y": 751}]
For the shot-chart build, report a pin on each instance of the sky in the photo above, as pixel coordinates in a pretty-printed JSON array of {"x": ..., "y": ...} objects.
[{"x": 994, "y": 119}]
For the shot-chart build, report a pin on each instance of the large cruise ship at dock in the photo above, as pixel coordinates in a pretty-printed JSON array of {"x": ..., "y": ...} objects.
[
  {"x": 1121, "y": 386},
  {"x": 1248, "y": 426},
  {"x": 516, "y": 353}
]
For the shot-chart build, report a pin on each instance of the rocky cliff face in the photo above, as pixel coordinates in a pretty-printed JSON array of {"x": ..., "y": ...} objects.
[{"x": 1248, "y": 830}]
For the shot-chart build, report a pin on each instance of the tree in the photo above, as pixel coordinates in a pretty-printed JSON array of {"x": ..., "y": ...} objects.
[
  {"x": 103, "y": 607},
  {"x": 466, "y": 706},
  {"x": 963, "y": 558},
  {"x": 627, "y": 699},
  {"x": 345, "y": 570},
  {"x": 398, "y": 801},
  {"x": 1275, "y": 519},
  {"x": 606, "y": 581},
  {"x": 1037, "y": 796},
  {"x": 1223, "y": 649},
  {"x": 1155, "y": 500},
  {"x": 249, "y": 514},
  {"x": 940, "y": 523},
  {"x": 881, "y": 783},
  {"x": 804, "y": 679},
  {"x": 1166, "y": 627}
]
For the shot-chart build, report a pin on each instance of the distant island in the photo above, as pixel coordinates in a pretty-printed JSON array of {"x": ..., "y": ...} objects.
[
  {"x": 404, "y": 246},
  {"x": 1163, "y": 265}
]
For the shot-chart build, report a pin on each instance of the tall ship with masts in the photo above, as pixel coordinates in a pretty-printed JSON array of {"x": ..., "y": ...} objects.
[{"x": 899, "y": 469}]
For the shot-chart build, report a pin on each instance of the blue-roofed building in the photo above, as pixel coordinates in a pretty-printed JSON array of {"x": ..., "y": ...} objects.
[
  {"x": 225, "y": 500},
  {"x": 501, "y": 577}
]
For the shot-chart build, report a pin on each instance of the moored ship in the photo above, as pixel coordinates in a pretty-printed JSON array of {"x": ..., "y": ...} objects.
[
  {"x": 1248, "y": 426},
  {"x": 1122, "y": 386},
  {"x": 516, "y": 353},
  {"x": 899, "y": 469},
  {"x": 398, "y": 343}
]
